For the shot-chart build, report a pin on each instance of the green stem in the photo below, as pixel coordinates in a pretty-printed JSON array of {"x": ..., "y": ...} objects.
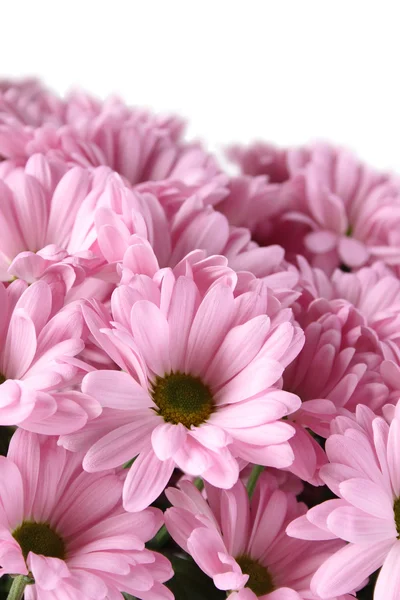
[
  {"x": 161, "y": 538},
  {"x": 254, "y": 475},
  {"x": 199, "y": 483},
  {"x": 17, "y": 589}
]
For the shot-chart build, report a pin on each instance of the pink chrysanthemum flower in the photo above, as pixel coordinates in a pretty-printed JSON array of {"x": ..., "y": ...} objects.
[
  {"x": 46, "y": 221},
  {"x": 242, "y": 545},
  {"x": 364, "y": 472},
  {"x": 373, "y": 291},
  {"x": 340, "y": 211},
  {"x": 340, "y": 363},
  {"x": 199, "y": 384},
  {"x": 38, "y": 364},
  {"x": 135, "y": 143},
  {"x": 65, "y": 529},
  {"x": 173, "y": 233}
]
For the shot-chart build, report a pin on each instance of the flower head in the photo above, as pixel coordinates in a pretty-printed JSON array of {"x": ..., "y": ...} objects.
[
  {"x": 363, "y": 472},
  {"x": 199, "y": 383},
  {"x": 66, "y": 530},
  {"x": 242, "y": 545},
  {"x": 337, "y": 210},
  {"x": 80, "y": 130},
  {"x": 39, "y": 343}
]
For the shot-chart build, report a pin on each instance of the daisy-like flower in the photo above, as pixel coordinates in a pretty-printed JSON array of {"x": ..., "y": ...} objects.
[
  {"x": 38, "y": 365},
  {"x": 341, "y": 211},
  {"x": 363, "y": 472},
  {"x": 242, "y": 545},
  {"x": 334, "y": 372},
  {"x": 46, "y": 221},
  {"x": 373, "y": 291},
  {"x": 192, "y": 225},
  {"x": 66, "y": 532},
  {"x": 135, "y": 143},
  {"x": 199, "y": 381}
]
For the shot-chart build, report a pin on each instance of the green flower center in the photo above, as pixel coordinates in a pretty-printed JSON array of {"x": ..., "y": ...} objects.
[
  {"x": 39, "y": 538},
  {"x": 396, "y": 510},
  {"x": 2, "y": 378},
  {"x": 260, "y": 581},
  {"x": 182, "y": 398}
]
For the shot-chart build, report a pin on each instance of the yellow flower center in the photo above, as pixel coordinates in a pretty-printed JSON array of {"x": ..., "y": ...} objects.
[
  {"x": 182, "y": 398},
  {"x": 260, "y": 580},
  {"x": 39, "y": 538}
]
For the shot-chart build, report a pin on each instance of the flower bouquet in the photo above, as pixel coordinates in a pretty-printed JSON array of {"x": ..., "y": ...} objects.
[{"x": 199, "y": 370}]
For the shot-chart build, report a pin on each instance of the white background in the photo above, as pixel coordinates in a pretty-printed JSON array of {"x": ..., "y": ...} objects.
[{"x": 284, "y": 71}]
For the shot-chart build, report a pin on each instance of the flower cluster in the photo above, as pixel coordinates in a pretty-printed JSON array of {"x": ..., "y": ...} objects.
[{"x": 199, "y": 372}]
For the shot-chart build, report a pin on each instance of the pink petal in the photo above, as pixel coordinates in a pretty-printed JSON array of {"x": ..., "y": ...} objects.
[
  {"x": 367, "y": 496},
  {"x": 352, "y": 252},
  {"x": 284, "y": 593},
  {"x": 235, "y": 519},
  {"x": 121, "y": 444},
  {"x": 238, "y": 349},
  {"x": 86, "y": 501},
  {"x": 11, "y": 492},
  {"x": 388, "y": 583},
  {"x": 67, "y": 198},
  {"x": 167, "y": 439},
  {"x": 223, "y": 470},
  {"x": 257, "y": 377},
  {"x": 20, "y": 346},
  {"x": 47, "y": 571},
  {"x": 184, "y": 303},
  {"x": 348, "y": 568},
  {"x": 37, "y": 303},
  {"x": 146, "y": 479},
  {"x": 209, "y": 328},
  {"x": 249, "y": 413},
  {"x": 115, "y": 389},
  {"x": 153, "y": 341},
  {"x": 24, "y": 451},
  {"x": 302, "y": 529},
  {"x": 268, "y": 524},
  {"x": 393, "y": 455},
  {"x": 204, "y": 546},
  {"x": 353, "y": 525},
  {"x": 320, "y": 242}
]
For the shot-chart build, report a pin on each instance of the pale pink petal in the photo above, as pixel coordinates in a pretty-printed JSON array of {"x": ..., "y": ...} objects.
[
  {"x": 393, "y": 455},
  {"x": 268, "y": 524},
  {"x": 47, "y": 571},
  {"x": 121, "y": 444},
  {"x": 24, "y": 451},
  {"x": 284, "y": 593},
  {"x": 238, "y": 349},
  {"x": 20, "y": 346},
  {"x": 367, "y": 496},
  {"x": 11, "y": 492},
  {"x": 353, "y": 525},
  {"x": 184, "y": 302},
  {"x": 153, "y": 341},
  {"x": 204, "y": 546},
  {"x": 146, "y": 479},
  {"x": 352, "y": 252},
  {"x": 346, "y": 570},
  {"x": 321, "y": 241},
  {"x": 167, "y": 438},
  {"x": 388, "y": 583},
  {"x": 257, "y": 377},
  {"x": 209, "y": 328},
  {"x": 102, "y": 385},
  {"x": 236, "y": 518}
]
